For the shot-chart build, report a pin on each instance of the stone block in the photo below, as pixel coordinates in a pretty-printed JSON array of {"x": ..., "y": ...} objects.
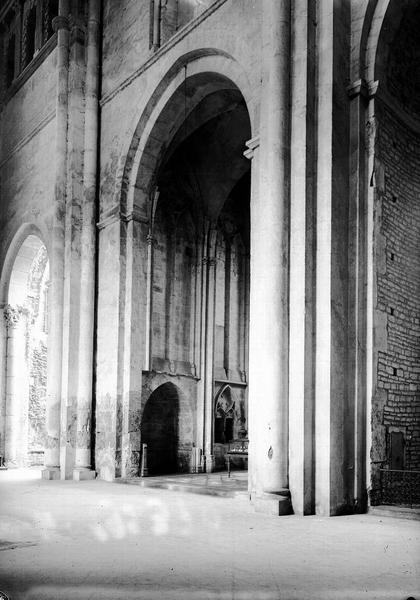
[
  {"x": 51, "y": 474},
  {"x": 83, "y": 474},
  {"x": 275, "y": 504}
]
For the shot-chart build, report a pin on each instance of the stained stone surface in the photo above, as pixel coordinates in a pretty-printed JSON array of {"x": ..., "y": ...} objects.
[{"x": 98, "y": 540}]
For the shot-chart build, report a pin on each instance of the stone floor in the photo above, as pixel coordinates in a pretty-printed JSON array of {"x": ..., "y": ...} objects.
[
  {"x": 209, "y": 484},
  {"x": 97, "y": 540}
]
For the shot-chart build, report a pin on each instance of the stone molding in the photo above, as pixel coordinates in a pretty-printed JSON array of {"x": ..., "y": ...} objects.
[
  {"x": 232, "y": 382},
  {"x": 252, "y": 145},
  {"x": 361, "y": 87},
  {"x": 114, "y": 215},
  {"x": 60, "y": 22}
]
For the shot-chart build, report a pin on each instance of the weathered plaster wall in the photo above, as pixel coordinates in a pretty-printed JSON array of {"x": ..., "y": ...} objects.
[
  {"x": 27, "y": 187},
  {"x": 27, "y": 128},
  {"x": 173, "y": 288},
  {"x": 29, "y": 108}
]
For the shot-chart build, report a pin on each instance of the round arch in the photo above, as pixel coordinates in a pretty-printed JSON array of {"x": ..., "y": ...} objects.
[
  {"x": 205, "y": 71},
  {"x": 376, "y": 36},
  {"x": 24, "y": 296},
  {"x": 17, "y": 240}
]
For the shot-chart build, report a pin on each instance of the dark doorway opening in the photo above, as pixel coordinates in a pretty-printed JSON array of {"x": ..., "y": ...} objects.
[{"x": 160, "y": 430}]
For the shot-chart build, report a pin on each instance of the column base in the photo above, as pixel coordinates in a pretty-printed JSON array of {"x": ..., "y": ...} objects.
[
  {"x": 51, "y": 473},
  {"x": 83, "y": 474},
  {"x": 209, "y": 463},
  {"x": 272, "y": 503}
]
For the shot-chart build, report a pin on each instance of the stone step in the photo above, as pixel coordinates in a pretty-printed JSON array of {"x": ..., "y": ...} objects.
[{"x": 397, "y": 512}]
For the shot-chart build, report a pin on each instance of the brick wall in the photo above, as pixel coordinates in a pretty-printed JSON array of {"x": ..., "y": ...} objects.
[{"x": 397, "y": 401}]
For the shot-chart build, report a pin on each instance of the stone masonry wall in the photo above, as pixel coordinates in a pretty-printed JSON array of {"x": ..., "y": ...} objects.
[
  {"x": 37, "y": 404},
  {"x": 397, "y": 401}
]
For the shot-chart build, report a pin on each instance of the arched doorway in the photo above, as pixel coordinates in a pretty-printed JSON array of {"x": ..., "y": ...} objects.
[
  {"x": 160, "y": 430},
  {"x": 26, "y": 321}
]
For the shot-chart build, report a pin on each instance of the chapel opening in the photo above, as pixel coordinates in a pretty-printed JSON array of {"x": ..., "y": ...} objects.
[
  {"x": 26, "y": 315},
  {"x": 395, "y": 451},
  {"x": 200, "y": 279},
  {"x": 160, "y": 430}
]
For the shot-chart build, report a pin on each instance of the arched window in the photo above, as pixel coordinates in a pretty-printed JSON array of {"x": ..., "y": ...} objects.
[{"x": 224, "y": 417}]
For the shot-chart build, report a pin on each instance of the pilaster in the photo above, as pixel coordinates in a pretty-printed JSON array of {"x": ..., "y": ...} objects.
[
  {"x": 55, "y": 325},
  {"x": 209, "y": 348},
  {"x": 334, "y": 403},
  {"x": 201, "y": 287},
  {"x": 301, "y": 280},
  {"x": 83, "y": 456},
  {"x": 134, "y": 333},
  {"x": 72, "y": 288}
]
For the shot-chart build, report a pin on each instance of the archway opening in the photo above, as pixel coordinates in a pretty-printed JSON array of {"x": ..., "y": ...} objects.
[
  {"x": 26, "y": 315},
  {"x": 160, "y": 430},
  {"x": 201, "y": 231},
  {"x": 396, "y": 393}
]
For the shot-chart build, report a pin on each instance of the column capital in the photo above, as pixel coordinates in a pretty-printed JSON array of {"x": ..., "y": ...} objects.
[
  {"x": 12, "y": 315},
  {"x": 60, "y": 22}
]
